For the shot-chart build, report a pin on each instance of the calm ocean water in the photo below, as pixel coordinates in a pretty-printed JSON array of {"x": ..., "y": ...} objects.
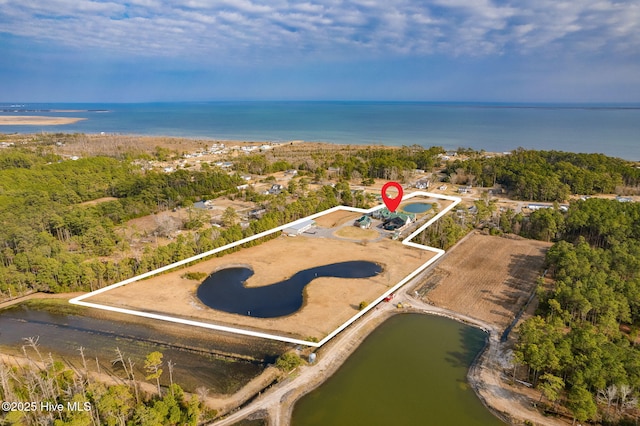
[{"x": 612, "y": 130}]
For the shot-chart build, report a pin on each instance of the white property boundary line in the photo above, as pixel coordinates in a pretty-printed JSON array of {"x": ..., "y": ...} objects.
[{"x": 407, "y": 241}]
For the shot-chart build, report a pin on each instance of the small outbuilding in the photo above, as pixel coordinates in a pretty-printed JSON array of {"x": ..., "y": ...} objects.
[
  {"x": 299, "y": 228},
  {"x": 363, "y": 223}
]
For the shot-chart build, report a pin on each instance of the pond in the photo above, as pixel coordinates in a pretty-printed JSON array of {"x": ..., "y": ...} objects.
[
  {"x": 224, "y": 290},
  {"x": 416, "y": 207},
  {"x": 197, "y": 359},
  {"x": 410, "y": 371}
]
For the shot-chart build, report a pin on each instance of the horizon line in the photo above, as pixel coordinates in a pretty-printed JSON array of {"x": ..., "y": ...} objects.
[{"x": 524, "y": 104}]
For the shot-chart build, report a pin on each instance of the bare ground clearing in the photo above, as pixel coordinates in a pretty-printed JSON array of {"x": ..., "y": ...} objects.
[
  {"x": 150, "y": 223},
  {"x": 98, "y": 201},
  {"x": 337, "y": 218},
  {"x": 162, "y": 227},
  {"x": 488, "y": 278},
  {"x": 329, "y": 302}
]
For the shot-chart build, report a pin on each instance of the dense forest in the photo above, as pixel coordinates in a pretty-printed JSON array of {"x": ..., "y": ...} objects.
[
  {"x": 581, "y": 350},
  {"x": 546, "y": 175}
]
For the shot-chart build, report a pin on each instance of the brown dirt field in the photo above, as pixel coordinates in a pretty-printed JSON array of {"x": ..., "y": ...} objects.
[
  {"x": 335, "y": 219},
  {"x": 328, "y": 301},
  {"x": 488, "y": 278},
  {"x": 148, "y": 224},
  {"x": 356, "y": 233}
]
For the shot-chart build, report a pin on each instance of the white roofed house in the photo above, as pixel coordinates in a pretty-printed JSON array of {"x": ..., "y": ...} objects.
[{"x": 299, "y": 228}]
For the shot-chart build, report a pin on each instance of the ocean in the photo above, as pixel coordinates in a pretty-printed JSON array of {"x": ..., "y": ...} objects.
[{"x": 609, "y": 129}]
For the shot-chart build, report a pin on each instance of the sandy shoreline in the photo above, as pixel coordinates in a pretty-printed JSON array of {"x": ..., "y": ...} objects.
[{"x": 36, "y": 120}]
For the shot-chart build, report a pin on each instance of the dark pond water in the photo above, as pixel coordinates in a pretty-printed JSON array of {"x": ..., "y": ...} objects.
[
  {"x": 197, "y": 360},
  {"x": 410, "y": 371},
  {"x": 225, "y": 290},
  {"x": 416, "y": 207}
]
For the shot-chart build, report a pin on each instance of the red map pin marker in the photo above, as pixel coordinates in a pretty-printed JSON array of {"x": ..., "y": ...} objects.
[{"x": 392, "y": 203}]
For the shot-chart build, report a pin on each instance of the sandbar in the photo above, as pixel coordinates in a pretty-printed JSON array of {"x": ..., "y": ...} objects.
[{"x": 36, "y": 120}]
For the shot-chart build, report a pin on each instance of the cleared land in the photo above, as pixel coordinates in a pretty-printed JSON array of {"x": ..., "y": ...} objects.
[
  {"x": 355, "y": 233},
  {"x": 329, "y": 302},
  {"x": 485, "y": 277},
  {"x": 98, "y": 201},
  {"x": 335, "y": 219},
  {"x": 36, "y": 120}
]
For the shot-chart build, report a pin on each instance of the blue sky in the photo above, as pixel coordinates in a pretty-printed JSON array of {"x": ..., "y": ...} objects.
[{"x": 435, "y": 50}]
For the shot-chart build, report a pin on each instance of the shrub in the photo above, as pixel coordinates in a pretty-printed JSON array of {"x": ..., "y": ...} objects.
[
  {"x": 288, "y": 361},
  {"x": 196, "y": 276}
]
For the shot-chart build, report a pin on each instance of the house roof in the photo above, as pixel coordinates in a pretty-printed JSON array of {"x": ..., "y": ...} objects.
[
  {"x": 302, "y": 225},
  {"x": 364, "y": 219}
]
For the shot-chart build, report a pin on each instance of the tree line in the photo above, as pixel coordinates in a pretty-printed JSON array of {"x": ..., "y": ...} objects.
[
  {"x": 581, "y": 349},
  {"x": 546, "y": 175}
]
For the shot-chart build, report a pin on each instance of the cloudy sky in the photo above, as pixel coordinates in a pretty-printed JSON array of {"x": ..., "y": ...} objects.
[{"x": 432, "y": 50}]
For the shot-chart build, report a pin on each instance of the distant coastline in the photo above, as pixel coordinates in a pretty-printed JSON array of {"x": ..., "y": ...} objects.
[{"x": 610, "y": 129}]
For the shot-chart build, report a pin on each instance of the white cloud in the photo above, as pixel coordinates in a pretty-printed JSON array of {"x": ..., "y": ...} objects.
[
  {"x": 309, "y": 7},
  {"x": 363, "y": 28}
]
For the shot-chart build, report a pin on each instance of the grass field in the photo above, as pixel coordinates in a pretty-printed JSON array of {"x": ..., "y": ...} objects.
[{"x": 356, "y": 233}]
